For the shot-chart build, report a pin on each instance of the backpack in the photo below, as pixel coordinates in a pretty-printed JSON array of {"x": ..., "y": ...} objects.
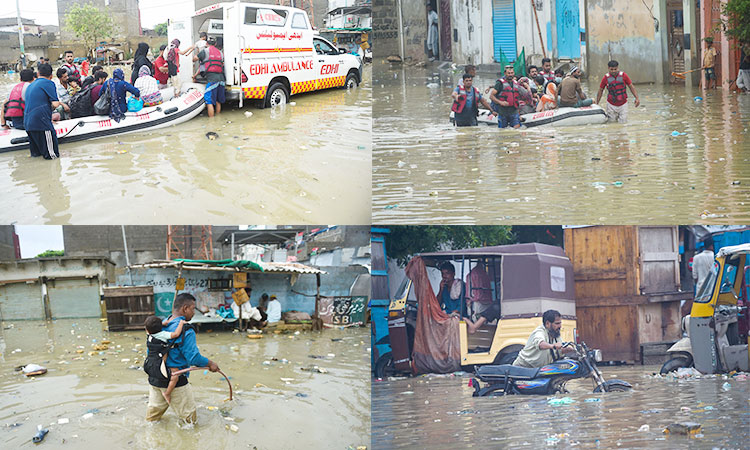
[
  {"x": 101, "y": 107},
  {"x": 172, "y": 69},
  {"x": 156, "y": 351},
  {"x": 80, "y": 104}
]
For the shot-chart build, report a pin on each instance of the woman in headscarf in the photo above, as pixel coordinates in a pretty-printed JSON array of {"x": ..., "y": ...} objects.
[
  {"x": 527, "y": 99},
  {"x": 116, "y": 88},
  {"x": 548, "y": 100},
  {"x": 148, "y": 87},
  {"x": 140, "y": 59}
]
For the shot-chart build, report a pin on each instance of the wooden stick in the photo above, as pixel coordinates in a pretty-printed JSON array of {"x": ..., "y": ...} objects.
[
  {"x": 180, "y": 372},
  {"x": 539, "y": 29}
]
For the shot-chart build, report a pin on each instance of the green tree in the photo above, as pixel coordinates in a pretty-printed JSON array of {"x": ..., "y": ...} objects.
[
  {"x": 737, "y": 23},
  {"x": 89, "y": 24},
  {"x": 161, "y": 29},
  {"x": 51, "y": 253},
  {"x": 405, "y": 241}
]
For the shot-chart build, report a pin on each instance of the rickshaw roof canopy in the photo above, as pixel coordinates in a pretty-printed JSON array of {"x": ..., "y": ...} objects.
[
  {"x": 535, "y": 249},
  {"x": 733, "y": 250}
]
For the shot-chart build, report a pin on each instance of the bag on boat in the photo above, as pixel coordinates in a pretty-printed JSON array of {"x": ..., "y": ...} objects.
[
  {"x": 101, "y": 107},
  {"x": 80, "y": 104},
  {"x": 135, "y": 104}
]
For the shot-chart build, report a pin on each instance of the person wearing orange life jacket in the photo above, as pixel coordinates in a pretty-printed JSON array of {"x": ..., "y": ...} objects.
[
  {"x": 617, "y": 83},
  {"x": 506, "y": 96},
  {"x": 213, "y": 59},
  {"x": 13, "y": 108},
  {"x": 466, "y": 99}
]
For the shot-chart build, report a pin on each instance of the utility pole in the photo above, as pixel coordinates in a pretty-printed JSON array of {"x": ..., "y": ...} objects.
[{"x": 20, "y": 35}]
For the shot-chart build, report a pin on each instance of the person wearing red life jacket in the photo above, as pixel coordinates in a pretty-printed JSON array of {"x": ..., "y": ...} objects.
[
  {"x": 213, "y": 59},
  {"x": 466, "y": 99},
  {"x": 547, "y": 72},
  {"x": 73, "y": 72},
  {"x": 13, "y": 108},
  {"x": 617, "y": 83},
  {"x": 506, "y": 98}
]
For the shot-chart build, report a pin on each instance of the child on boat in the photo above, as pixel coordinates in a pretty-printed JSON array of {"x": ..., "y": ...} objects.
[{"x": 160, "y": 350}]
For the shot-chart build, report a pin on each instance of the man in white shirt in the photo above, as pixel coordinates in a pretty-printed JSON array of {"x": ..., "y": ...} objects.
[
  {"x": 703, "y": 263},
  {"x": 273, "y": 310}
]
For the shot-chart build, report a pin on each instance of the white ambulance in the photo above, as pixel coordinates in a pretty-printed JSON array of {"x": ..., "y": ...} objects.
[{"x": 270, "y": 52}]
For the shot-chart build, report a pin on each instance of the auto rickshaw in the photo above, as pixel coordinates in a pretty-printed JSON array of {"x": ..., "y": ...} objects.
[
  {"x": 524, "y": 280},
  {"x": 717, "y": 327}
]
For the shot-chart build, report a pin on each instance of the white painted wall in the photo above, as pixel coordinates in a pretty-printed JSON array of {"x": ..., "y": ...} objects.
[
  {"x": 527, "y": 34},
  {"x": 472, "y": 19}
]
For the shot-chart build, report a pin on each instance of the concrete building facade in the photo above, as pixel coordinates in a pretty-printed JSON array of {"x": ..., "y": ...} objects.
[
  {"x": 482, "y": 31},
  {"x": 125, "y": 14},
  {"x": 7, "y": 243}
]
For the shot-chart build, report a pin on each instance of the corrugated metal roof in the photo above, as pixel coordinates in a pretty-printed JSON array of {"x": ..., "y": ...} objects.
[{"x": 289, "y": 267}]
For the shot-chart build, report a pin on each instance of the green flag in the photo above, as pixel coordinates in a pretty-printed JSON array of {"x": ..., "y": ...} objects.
[{"x": 520, "y": 65}]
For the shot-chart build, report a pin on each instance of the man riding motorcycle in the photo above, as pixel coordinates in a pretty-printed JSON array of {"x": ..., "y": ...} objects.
[{"x": 543, "y": 346}]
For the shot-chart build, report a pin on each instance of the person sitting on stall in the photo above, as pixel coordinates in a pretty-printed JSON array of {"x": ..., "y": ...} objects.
[
  {"x": 451, "y": 289},
  {"x": 543, "y": 346},
  {"x": 274, "y": 310},
  {"x": 256, "y": 317}
]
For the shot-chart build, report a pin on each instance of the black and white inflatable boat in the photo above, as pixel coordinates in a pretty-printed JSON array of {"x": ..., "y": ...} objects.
[
  {"x": 588, "y": 115},
  {"x": 179, "y": 109}
]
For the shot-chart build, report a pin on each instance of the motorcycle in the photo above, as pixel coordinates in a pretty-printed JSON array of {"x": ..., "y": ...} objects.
[{"x": 505, "y": 379}]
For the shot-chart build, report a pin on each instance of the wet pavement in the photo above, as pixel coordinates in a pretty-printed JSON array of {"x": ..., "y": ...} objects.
[
  {"x": 427, "y": 171},
  {"x": 276, "y": 404},
  {"x": 284, "y": 165},
  {"x": 439, "y": 412}
]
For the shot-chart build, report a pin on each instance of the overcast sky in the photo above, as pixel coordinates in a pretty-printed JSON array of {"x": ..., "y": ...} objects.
[
  {"x": 34, "y": 239},
  {"x": 44, "y": 12}
]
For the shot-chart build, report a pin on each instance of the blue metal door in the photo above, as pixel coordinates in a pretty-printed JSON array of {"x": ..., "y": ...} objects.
[
  {"x": 568, "y": 29},
  {"x": 504, "y": 29}
]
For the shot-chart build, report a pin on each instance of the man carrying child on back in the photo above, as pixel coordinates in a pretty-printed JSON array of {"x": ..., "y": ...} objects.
[{"x": 184, "y": 354}]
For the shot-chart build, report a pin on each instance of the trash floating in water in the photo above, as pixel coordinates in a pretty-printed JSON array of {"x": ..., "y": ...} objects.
[
  {"x": 31, "y": 370},
  {"x": 644, "y": 428},
  {"x": 683, "y": 428},
  {"x": 301, "y": 395},
  {"x": 40, "y": 435},
  {"x": 592, "y": 400},
  {"x": 232, "y": 427},
  {"x": 561, "y": 401},
  {"x": 726, "y": 386},
  {"x": 248, "y": 114},
  {"x": 212, "y": 136},
  {"x": 391, "y": 206},
  {"x": 63, "y": 421},
  {"x": 88, "y": 415},
  {"x": 677, "y": 133},
  {"x": 687, "y": 372},
  {"x": 698, "y": 99}
]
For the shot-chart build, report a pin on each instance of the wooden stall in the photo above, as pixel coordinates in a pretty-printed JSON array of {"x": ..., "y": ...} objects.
[
  {"x": 128, "y": 306},
  {"x": 627, "y": 285}
]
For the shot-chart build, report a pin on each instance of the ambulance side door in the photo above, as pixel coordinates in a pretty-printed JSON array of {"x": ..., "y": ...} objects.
[
  {"x": 233, "y": 46},
  {"x": 329, "y": 68}
]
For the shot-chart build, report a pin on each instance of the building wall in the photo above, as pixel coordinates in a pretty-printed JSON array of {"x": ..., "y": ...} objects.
[
  {"x": 387, "y": 33},
  {"x": 125, "y": 14},
  {"x": 336, "y": 282},
  {"x": 527, "y": 34},
  {"x": 320, "y": 8},
  {"x": 472, "y": 23},
  {"x": 10, "y": 49},
  {"x": 7, "y": 248},
  {"x": 625, "y": 31}
]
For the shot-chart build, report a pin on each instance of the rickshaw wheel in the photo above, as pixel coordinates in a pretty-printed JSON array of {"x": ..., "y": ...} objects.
[
  {"x": 384, "y": 366},
  {"x": 674, "y": 364}
]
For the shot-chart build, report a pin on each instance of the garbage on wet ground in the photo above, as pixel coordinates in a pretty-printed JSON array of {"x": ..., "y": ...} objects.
[
  {"x": 689, "y": 428},
  {"x": 31, "y": 370},
  {"x": 40, "y": 435},
  {"x": 560, "y": 401}
]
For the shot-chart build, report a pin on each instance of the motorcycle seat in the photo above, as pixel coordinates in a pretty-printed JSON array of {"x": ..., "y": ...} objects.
[{"x": 507, "y": 370}]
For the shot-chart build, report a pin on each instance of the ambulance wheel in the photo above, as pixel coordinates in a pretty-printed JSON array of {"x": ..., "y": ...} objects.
[
  {"x": 351, "y": 81},
  {"x": 277, "y": 95}
]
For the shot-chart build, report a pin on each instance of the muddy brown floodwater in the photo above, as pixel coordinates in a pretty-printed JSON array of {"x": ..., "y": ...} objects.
[
  {"x": 276, "y": 404},
  {"x": 307, "y": 163},
  {"x": 427, "y": 171},
  {"x": 439, "y": 412}
]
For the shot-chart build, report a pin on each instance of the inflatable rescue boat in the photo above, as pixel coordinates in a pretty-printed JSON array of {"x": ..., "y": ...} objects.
[
  {"x": 587, "y": 115},
  {"x": 179, "y": 109}
]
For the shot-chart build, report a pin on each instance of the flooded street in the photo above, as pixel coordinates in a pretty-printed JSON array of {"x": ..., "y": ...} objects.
[
  {"x": 276, "y": 403},
  {"x": 439, "y": 412},
  {"x": 427, "y": 171},
  {"x": 286, "y": 165}
]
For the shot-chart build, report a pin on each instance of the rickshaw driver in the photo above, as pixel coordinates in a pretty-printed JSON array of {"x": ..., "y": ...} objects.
[
  {"x": 543, "y": 346},
  {"x": 451, "y": 289}
]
